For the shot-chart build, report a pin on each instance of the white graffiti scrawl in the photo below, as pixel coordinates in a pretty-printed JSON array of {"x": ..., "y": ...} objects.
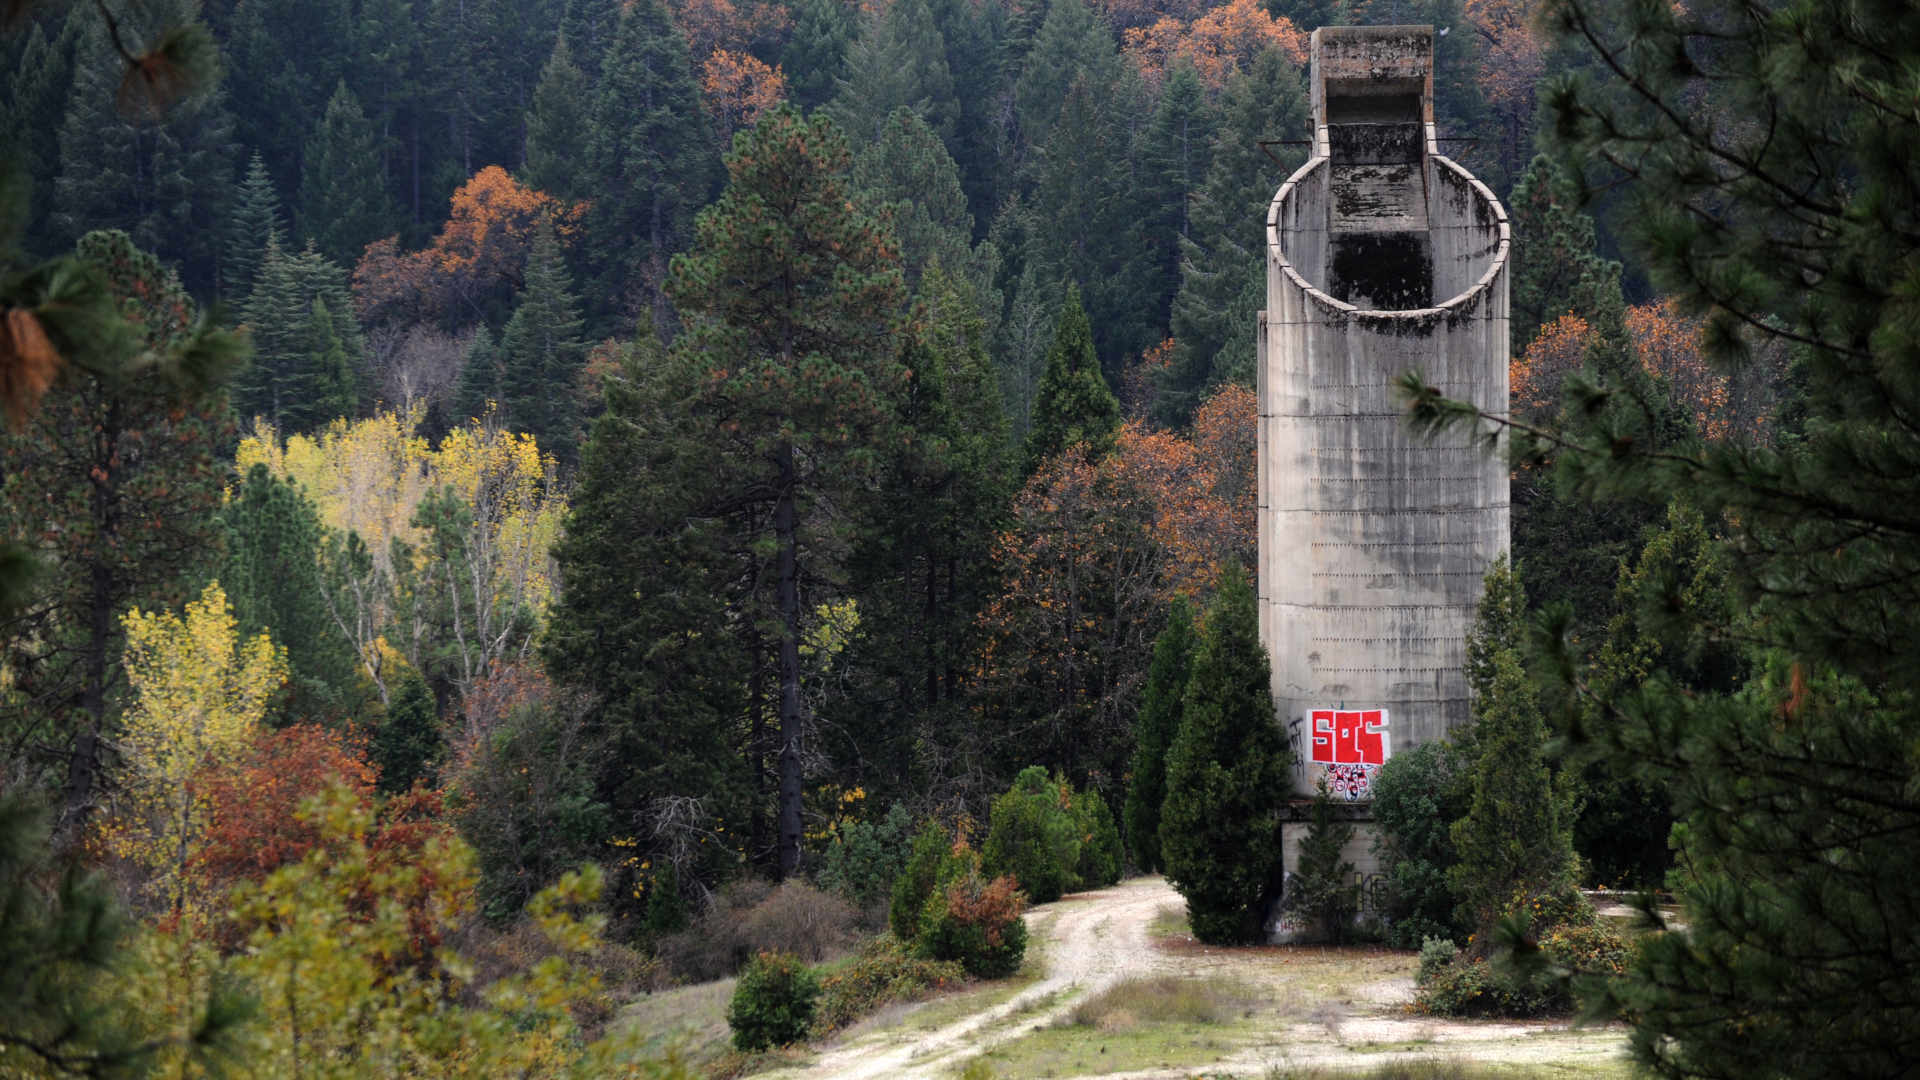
[{"x": 1352, "y": 744}]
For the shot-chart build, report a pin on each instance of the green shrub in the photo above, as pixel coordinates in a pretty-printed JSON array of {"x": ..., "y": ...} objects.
[
  {"x": 883, "y": 973},
  {"x": 1032, "y": 835},
  {"x": 1100, "y": 854},
  {"x": 773, "y": 1002},
  {"x": 935, "y": 860},
  {"x": 866, "y": 857},
  {"x": 1153, "y": 732},
  {"x": 1436, "y": 954},
  {"x": 1322, "y": 892},
  {"x": 1417, "y": 795},
  {"x": 976, "y": 923},
  {"x": 1595, "y": 949},
  {"x": 1474, "y": 987}
]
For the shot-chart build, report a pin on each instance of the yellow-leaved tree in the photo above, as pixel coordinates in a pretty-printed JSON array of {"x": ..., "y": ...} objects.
[
  {"x": 441, "y": 554},
  {"x": 199, "y": 690}
]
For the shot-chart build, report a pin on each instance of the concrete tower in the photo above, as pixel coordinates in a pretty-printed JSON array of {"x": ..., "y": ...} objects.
[{"x": 1383, "y": 256}]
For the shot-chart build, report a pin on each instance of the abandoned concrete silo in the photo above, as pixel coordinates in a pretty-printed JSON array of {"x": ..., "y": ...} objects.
[{"x": 1382, "y": 256}]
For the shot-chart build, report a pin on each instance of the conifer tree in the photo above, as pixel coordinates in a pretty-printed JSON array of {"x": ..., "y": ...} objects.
[
  {"x": 797, "y": 296},
  {"x": 815, "y": 57},
  {"x": 35, "y": 103},
  {"x": 1554, "y": 268},
  {"x": 1220, "y": 825},
  {"x": 272, "y": 578},
  {"x": 1073, "y": 45},
  {"x": 408, "y": 742},
  {"x": 557, "y": 126},
  {"x": 1221, "y": 270},
  {"x": 343, "y": 203},
  {"x": 540, "y": 351},
  {"x": 898, "y": 61},
  {"x": 481, "y": 385},
  {"x": 1153, "y": 732},
  {"x": 1321, "y": 888},
  {"x": 165, "y": 182},
  {"x": 910, "y": 174},
  {"x": 253, "y": 227},
  {"x": 1073, "y": 406},
  {"x": 650, "y": 158},
  {"x": 1174, "y": 151},
  {"x": 289, "y": 55},
  {"x": 306, "y": 343}
]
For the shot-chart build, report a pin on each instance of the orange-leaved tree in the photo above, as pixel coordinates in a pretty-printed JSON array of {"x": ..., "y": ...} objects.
[
  {"x": 478, "y": 255},
  {"x": 1219, "y": 43},
  {"x": 738, "y": 88}
]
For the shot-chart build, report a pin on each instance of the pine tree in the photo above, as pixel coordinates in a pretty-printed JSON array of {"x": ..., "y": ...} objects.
[
  {"x": 1153, "y": 732},
  {"x": 253, "y": 227},
  {"x": 1174, "y": 151},
  {"x": 289, "y": 55},
  {"x": 650, "y": 158},
  {"x": 1073, "y": 407},
  {"x": 910, "y": 174},
  {"x": 120, "y": 464},
  {"x": 1322, "y": 890},
  {"x": 541, "y": 351},
  {"x": 482, "y": 385},
  {"x": 557, "y": 126},
  {"x": 1220, "y": 826},
  {"x": 814, "y": 60},
  {"x": 272, "y": 578},
  {"x": 797, "y": 296},
  {"x": 898, "y": 61},
  {"x": 1222, "y": 265},
  {"x": 343, "y": 203},
  {"x": 164, "y": 183},
  {"x": 305, "y": 340},
  {"x": 407, "y": 743},
  {"x": 1516, "y": 842},
  {"x": 1072, "y": 46},
  {"x": 36, "y": 101},
  {"x": 1554, "y": 269}
]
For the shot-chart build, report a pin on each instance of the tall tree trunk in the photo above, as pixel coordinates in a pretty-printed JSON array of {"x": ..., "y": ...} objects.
[
  {"x": 786, "y": 530},
  {"x": 83, "y": 765}
]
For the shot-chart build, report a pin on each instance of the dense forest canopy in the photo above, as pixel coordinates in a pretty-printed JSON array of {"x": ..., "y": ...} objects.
[{"x": 450, "y": 444}]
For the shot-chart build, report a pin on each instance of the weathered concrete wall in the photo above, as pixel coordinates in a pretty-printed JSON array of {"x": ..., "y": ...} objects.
[{"x": 1373, "y": 540}]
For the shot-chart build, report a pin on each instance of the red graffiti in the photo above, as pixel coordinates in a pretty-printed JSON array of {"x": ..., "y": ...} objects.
[{"x": 1350, "y": 737}]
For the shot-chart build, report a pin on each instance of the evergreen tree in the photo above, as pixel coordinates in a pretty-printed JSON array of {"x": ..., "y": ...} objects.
[
  {"x": 1553, "y": 268},
  {"x": 1074, "y": 406},
  {"x": 272, "y": 578},
  {"x": 1220, "y": 826},
  {"x": 482, "y": 385},
  {"x": 1153, "y": 732},
  {"x": 558, "y": 126},
  {"x": 305, "y": 340},
  {"x": 639, "y": 517},
  {"x": 898, "y": 61},
  {"x": 1080, "y": 210},
  {"x": 589, "y": 27},
  {"x": 35, "y": 103},
  {"x": 922, "y": 565},
  {"x": 814, "y": 60},
  {"x": 1073, "y": 46},
  {"x": 163, "y": 181},
  {"x": 910, "y": 174},
  {"x": 1417, "y": 796},
  {"x": 407, "y": 743},
  {"x": 289, "y": 55},
  {"x": 1322, "y": 889},
  {"x": 972, "y": 35},
  {"x": 650, "y": 159},
  {"x": 1222, "y": 268},
  {"x": 541, "y": 352},
  {"x": 387, "y": 72},
  {"x": 253, "y": 227},
  {"x": 797, "y": 296},
  {"x": 120, "y": 465},
  {"x": 1175, "y": 149},
  {"x": 1516, "y": 841},
  {"x": 343, "y": 203}
]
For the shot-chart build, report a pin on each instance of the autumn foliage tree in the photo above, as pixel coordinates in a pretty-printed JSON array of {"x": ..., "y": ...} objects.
[
  {"x": 474, "y": 262},
  {"x": 1219, "y": 43}
]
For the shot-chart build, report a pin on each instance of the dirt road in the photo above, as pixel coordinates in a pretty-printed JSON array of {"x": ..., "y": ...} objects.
[{"x": 1331, "y": 1007}]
